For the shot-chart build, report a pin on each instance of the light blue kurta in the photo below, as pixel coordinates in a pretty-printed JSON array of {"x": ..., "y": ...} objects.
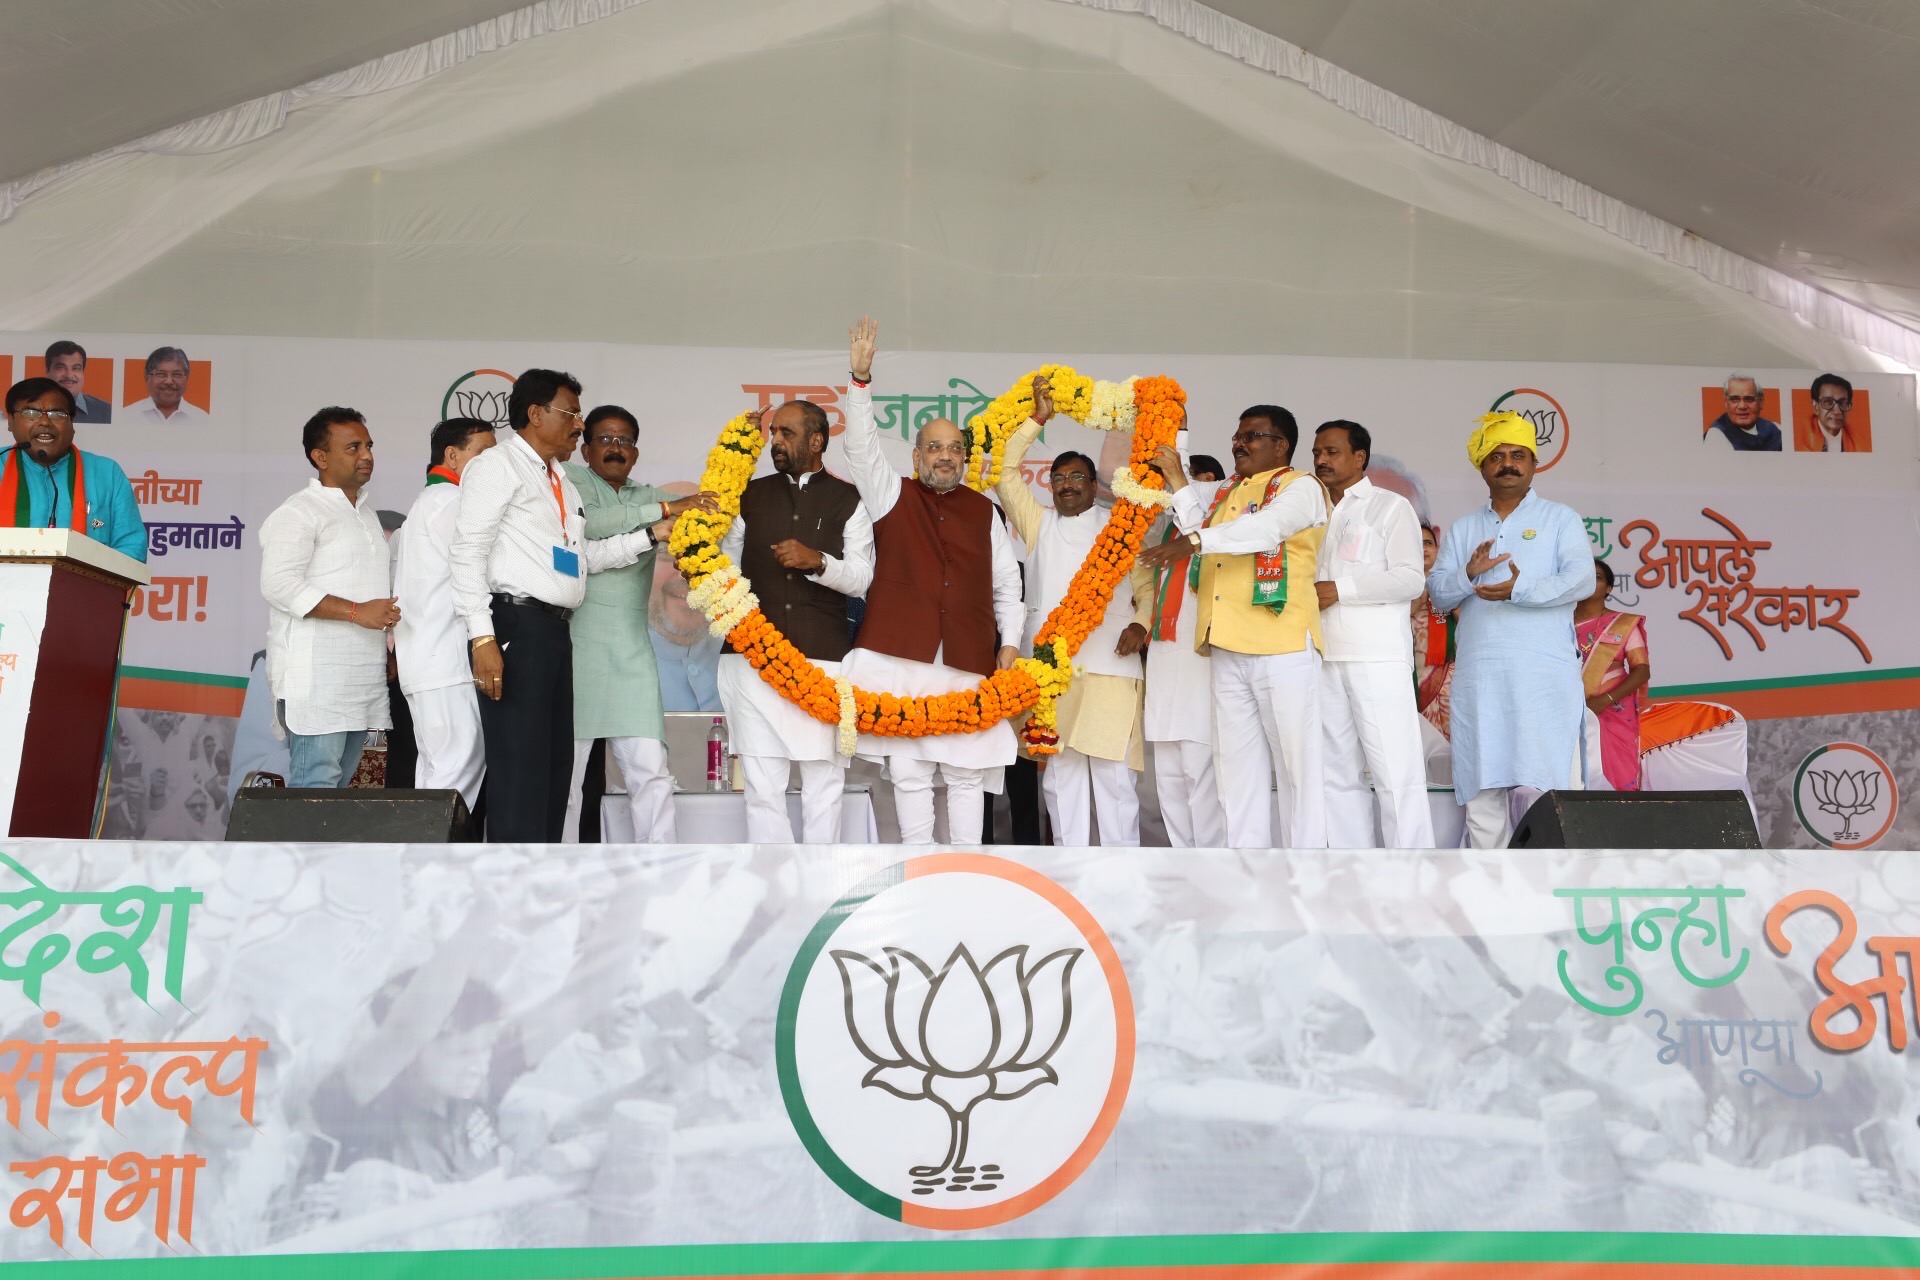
[{"x": 1517, "y": 696}]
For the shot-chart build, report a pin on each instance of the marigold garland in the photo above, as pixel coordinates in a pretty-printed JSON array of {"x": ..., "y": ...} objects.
[{"x": 1153, "y": 408}]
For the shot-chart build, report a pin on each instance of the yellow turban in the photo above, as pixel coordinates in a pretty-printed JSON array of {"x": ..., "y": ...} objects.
[{"x": 1496, "y": 429}]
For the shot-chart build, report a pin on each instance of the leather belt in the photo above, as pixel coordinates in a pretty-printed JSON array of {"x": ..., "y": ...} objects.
[{"x": 528, "y": 602}]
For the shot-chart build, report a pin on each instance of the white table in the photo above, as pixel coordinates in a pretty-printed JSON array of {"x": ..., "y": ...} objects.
[{"x": 720, "y": 817}]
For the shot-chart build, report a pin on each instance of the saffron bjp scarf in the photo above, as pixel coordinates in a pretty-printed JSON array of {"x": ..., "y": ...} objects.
[{"x": 16, "y": 503}]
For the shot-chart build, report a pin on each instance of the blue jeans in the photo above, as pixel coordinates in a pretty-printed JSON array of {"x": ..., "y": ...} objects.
[{"x": 323, "y": 759}]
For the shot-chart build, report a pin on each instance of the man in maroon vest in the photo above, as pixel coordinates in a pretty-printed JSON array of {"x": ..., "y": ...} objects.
[
  {"x": 805, "y": 542},
  {"x": 943, "y": 612}
]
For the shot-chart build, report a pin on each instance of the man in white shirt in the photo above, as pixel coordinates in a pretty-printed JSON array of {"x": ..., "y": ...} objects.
[
  {"x": 430, "y": 641},
  {"x": 945, "y": 593},
  {"x": 1091, "y": 777},
  {"x": 518, "y": 567},
  {"x": 1257, "y": 538},
  {"x": 167, "y": 371},
  {"x": 1370, "y": 573},
  {"x": 805, "y": 541},
  {"x": 324, "y": 573}
]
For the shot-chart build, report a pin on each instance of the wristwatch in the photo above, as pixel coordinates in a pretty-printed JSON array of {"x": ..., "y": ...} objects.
[{"x": 1194, "y": 540}]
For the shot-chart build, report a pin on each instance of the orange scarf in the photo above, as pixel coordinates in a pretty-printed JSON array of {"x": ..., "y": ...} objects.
[{"x": 16, "y": 504}]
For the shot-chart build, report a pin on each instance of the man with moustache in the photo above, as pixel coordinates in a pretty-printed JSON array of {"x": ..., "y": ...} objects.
[
  {"x": 324, "y": 571},
  {"x": 805, "y": 541},
  {"x": 46, "y": 483},
  {"x": 616, "y": 687},
  {"x": 67, "y": 365},
  {"x": 167, "y": 371},
  {"x": 944, "y": 609},
  {"x": 1090, "y": 779},
  {"x": 1254, "y": 546},
  {"x": 430, "y": 641},
  {"x": 1515, "y": 568},
  {"x": 518, "y": 566},
  {"x": 1368, "y": 577}
]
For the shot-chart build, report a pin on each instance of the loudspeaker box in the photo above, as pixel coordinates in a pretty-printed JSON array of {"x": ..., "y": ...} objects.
[
  {"x": 1638, "y": 820},
  {"x": 348, "y": 815}
]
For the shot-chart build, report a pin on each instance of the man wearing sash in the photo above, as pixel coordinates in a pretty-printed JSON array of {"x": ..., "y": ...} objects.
[
  {"x": 945, "y": 593},
  {"x": 1369, "y": 575},
  {"x": 1091, "y": 778},
  {"x": 430, "y": 642},
  {"x": 806, "y": 543},
  {"x": 1257, "y": 539},
  {"x": 46, "y": 483},
  {"x": 1515, "y": 568}
]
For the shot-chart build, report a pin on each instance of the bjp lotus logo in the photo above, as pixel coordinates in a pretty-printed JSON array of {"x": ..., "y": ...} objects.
[
  {"x": 960, "y": 1037},
  {"x": 482, "y": 394},
  {"x": 955, "y": 1094},
  {"x": 1849, "y": 800}
]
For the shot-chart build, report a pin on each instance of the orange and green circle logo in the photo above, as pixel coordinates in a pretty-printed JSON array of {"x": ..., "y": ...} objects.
[
  {"x": 955, "y": 1041},
  {"x": 479, "y": 393},
  {"x": 1845, "y": 796},
  {"x": 1551, "y": 430}
]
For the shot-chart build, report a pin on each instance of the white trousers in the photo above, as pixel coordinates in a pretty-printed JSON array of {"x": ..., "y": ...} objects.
[
  {"x": 446, "y": 727},
  {"x": 1266, "y": 710},
  {"x": 1081, "y": 789},
  {"x": 822, "y": 784},
  {"x": 1372, "y": 727},
  {"x": 913, "y": 800},
  {"x": 643, "y": 766},
  {"x": 1189, "y": 799},
  {"x": 1489, "y": 813}
]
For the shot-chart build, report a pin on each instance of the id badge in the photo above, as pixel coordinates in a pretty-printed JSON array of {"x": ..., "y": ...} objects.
[{"x": 567, "y": 562}]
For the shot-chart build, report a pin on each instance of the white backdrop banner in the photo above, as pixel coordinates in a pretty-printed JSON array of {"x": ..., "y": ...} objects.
[{"x": 1775, "y": 582}]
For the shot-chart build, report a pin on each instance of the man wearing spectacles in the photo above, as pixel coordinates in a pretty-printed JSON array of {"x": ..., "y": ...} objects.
[
  {"x": 46, "y": 483},
  {"x": 1828, "y": 429},
  {"x": 943, "y": 610},
  {"x": 616, "y": 684},
  {"x": 518, "y": 566},
  {"x": 1250, "y": 549},
  {"x": 1741, "y": 427}
]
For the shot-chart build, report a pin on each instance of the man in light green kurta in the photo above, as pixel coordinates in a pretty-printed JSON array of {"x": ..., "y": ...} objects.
[{"x": 616, "y": 690}]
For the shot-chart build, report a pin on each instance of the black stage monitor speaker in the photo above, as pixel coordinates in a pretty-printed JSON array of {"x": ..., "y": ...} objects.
[
  {"x": 356, "y": 815},
  {"x": 1638, "y": 820}
]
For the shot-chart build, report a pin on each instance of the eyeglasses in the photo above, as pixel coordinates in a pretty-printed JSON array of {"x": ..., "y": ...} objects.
[
  {"x": 554, "y": 408},
  {"x": 1733, "y": 399},
  {"x": 1247, "y": 437},
  {"x": 954, "y": 447},
  {"x": 604, "y": 441},
  {"x": 1831, "y": 402},
  {"x": 33, "y": 413}
]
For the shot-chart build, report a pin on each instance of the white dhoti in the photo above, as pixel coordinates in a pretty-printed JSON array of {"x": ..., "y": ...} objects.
[
  {"x": 1183, "y": 781},
  {"x": 446, "y": 728},
  {"x": 643, "y": 768},
  {"x": 769, "y": 734},
  {"x": 971, "y": 764},
  {"x": 1372, "y": 727},
  {"x": 1091, "y": 777},
  {"x": 1267, "y": 722}
]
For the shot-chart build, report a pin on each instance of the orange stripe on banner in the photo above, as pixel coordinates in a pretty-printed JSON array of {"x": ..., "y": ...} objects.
[
  {"x": 169, "y": 695},
  {"x": 1817, "y": 699},
  {"x": 1368, "y": 1271}
]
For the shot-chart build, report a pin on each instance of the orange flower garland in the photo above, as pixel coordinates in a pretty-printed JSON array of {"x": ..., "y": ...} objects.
[{"x": 1032, "y": 684}]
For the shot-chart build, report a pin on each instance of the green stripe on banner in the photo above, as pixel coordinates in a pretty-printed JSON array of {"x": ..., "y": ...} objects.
[
  {"x": 1784, "y": 682},
  {"x": 1142, "y": 1253},
  {"x": 185, "y": 677}
]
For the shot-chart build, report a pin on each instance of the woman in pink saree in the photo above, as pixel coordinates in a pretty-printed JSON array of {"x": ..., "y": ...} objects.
[{"x": 1613, "y": 654}]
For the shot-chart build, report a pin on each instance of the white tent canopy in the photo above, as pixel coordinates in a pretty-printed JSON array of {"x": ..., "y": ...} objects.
[{"x": 1015, "y": 175}]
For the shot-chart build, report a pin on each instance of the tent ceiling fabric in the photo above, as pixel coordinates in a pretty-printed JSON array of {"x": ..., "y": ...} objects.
[
  {"x": 78, "y": 77},
  {"x": 986, "y": 174},
  {"x": 1776, "y": 128}
]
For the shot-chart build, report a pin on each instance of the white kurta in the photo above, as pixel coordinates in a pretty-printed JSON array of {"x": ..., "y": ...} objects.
[
  {"x": 879, "y": 485},
  {"x": 1179, "y": 681},
  {"x": 430, "y": 640}
]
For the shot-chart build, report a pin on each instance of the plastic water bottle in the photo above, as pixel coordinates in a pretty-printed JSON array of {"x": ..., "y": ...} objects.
[{"x": 717, "y": 755}]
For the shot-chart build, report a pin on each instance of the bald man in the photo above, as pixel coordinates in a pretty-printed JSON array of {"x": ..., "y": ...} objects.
[{"x": 944, "y": 610}]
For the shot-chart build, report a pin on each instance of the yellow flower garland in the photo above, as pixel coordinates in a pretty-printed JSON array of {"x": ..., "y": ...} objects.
[{"x": 1152, "y": 408}]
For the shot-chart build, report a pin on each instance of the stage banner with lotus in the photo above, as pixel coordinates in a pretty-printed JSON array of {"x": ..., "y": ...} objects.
[{"x": 252, "y": 1060}]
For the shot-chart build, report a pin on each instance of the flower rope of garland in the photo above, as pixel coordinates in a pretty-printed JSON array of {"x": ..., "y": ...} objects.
[{"x": 1152, "y": 408}]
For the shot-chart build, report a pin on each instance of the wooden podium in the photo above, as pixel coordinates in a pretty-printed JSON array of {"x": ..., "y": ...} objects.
[{"x": 63, "y": 609}]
